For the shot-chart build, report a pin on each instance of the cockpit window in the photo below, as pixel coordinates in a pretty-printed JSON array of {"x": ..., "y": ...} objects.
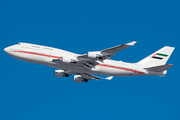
[{"x": 18, "y": 44}]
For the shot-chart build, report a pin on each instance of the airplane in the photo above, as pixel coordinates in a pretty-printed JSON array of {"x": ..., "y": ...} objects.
[{"x": 94, "y": 62}]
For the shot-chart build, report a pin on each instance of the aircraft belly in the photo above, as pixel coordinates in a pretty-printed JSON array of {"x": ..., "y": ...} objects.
[
  {"x": 102, "y": 70},
  {"x": 27, "y": 57},
  {"x": 115, "y": 72}
]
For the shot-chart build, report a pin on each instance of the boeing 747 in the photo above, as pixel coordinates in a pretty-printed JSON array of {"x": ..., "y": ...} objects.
[{"x": 95, "y": 62}]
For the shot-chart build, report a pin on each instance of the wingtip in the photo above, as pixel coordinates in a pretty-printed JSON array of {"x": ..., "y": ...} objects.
[
  {"x": 109, "y": 78},
  {"x": 131, "y": 43}
]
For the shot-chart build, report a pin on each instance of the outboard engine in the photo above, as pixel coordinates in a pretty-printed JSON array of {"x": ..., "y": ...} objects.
[
  {"x": 60, "y": 73},
  {"x": 79, "y": 78}
]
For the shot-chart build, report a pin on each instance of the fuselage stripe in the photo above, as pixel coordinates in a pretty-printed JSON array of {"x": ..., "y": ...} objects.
[
  {"x": 110, "y": 66},
  {"x": 135, "y": 71},
  {"x": 33, "y": 53}
]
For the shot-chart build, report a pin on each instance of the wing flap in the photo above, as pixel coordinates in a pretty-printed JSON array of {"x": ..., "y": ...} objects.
[{"x": 89, "y": 77}]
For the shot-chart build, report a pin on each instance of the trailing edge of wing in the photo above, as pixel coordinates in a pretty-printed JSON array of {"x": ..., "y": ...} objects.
[{"x": 89, "y": 76}]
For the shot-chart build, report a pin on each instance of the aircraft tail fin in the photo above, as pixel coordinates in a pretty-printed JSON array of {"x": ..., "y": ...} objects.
[
  {"x": 160, "y": 68},
  {"x": 159, "y": 58}
]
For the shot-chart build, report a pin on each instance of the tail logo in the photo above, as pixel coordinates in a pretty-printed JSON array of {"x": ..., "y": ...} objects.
[{"x": 159, "y": 56}]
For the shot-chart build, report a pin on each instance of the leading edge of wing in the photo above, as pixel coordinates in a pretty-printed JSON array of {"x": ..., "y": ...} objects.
[{"x": 118, "y": 48}]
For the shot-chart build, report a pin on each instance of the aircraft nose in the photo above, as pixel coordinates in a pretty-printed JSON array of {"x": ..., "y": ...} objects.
[{"x": 6, "y": 49}]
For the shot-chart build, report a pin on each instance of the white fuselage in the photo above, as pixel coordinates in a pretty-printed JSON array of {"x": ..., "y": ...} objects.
[{"x": 46, "y": 56}]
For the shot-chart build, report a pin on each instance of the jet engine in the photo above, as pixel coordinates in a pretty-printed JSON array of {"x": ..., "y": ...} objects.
[
  {"x": 79, "y": 78},
  {"x": 60, "y": 73},
  {"x": 94, "y": 54},
  {"x": 65, "y": 60}
]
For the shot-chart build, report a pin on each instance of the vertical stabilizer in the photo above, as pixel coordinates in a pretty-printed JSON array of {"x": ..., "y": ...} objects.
[{"x": 160, "y": 57}]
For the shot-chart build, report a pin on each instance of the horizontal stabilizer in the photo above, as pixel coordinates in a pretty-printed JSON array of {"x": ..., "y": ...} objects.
[{"x": 160, "y": 68}]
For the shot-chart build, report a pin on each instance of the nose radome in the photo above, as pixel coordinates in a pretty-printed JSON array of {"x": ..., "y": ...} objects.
[{"x": 6, "y": 49}]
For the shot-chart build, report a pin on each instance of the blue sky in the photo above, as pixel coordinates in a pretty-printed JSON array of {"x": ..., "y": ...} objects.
[{"x": 30, "y": 91}]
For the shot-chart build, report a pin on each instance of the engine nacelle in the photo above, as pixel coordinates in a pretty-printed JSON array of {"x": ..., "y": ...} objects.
[
  {"x": 60, "y": 73},
  {"x": 65, "y": 60},
  {"x": 79, "y": 78},
  {"x": 94, "y": 54}
]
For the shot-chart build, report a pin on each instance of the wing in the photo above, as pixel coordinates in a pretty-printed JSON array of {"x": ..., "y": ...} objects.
[
  {"x": 104, "y": 54},
  {"x": 83, "y": 77},
  {"x": 80, "y": 77},
  {"x": 86, "y": 76},
  {"x": 118, "y": 48}
]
